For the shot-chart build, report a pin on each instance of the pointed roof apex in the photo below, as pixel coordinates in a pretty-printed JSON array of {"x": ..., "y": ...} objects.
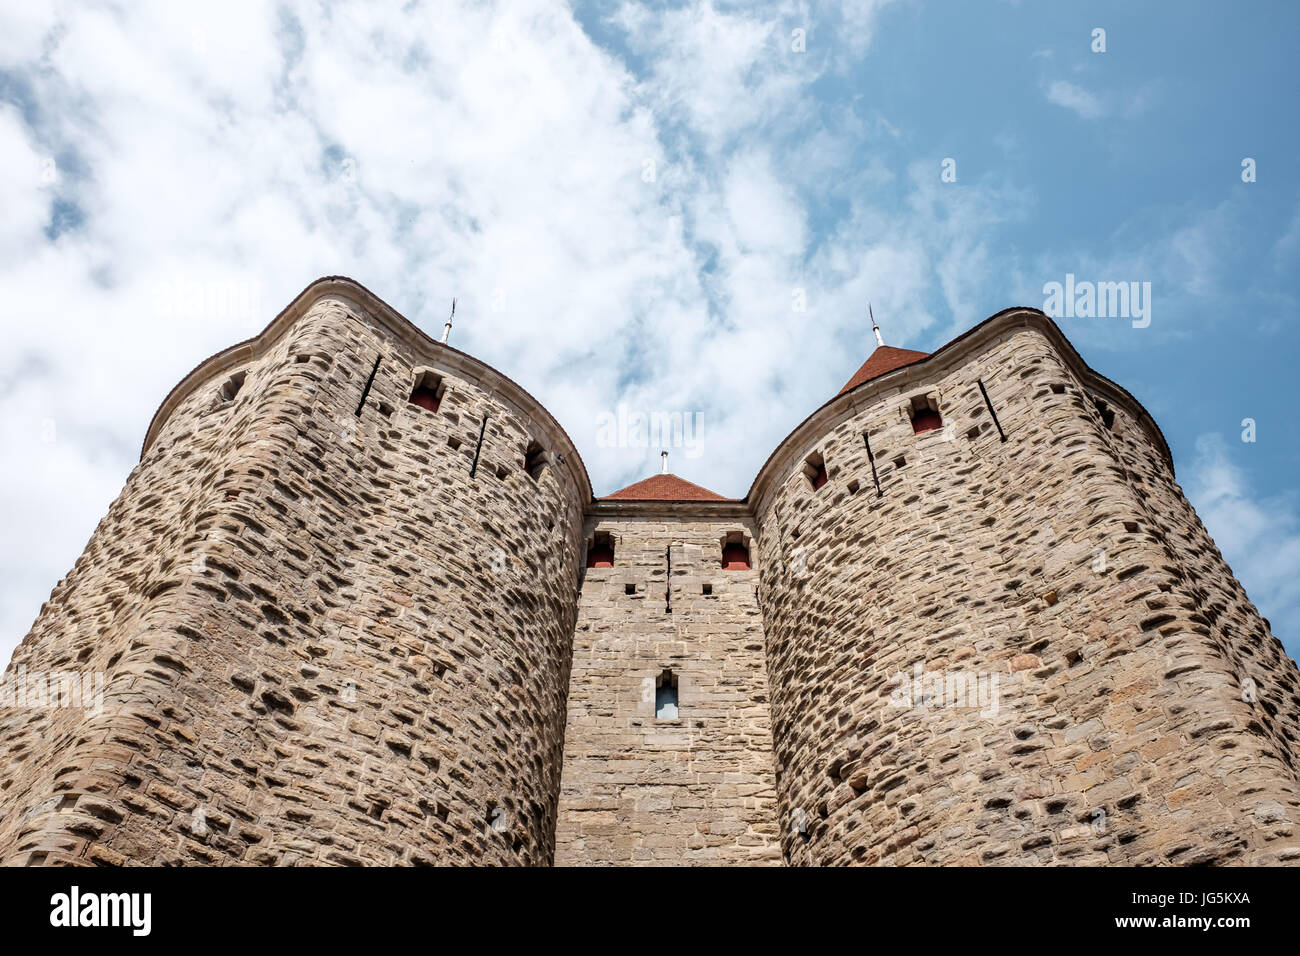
[
  {"x": 665, "y": 487},
  {"x": 884, "y": 359}
]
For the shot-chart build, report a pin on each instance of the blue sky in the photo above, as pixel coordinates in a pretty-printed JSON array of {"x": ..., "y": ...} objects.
[{"x": 628, "y": 199}]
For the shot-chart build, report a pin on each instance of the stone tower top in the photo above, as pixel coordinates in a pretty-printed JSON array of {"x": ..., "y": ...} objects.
[{"x": 379, "y": 315}]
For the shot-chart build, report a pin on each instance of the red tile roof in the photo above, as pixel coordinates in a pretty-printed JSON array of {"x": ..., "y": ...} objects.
[
  {"x": 884, "y": 359},
  {"x": 665, "y": 488}
]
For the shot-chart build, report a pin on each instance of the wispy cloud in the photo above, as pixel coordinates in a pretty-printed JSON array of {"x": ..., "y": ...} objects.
[
  {"x": 631, "y": 209},
  {"x": 1259, "y": 536},
  {"x": 1076, "y": 98},
  {"x": 642, "y": 217}
]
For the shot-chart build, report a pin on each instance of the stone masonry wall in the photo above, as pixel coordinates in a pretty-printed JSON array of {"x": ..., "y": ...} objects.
[
  {"x": 1229, "y": 665},
  {"x": 641, "y": 790},
  {"x": 1113, "y": 733},
  {"x": 323, "y": 642}
]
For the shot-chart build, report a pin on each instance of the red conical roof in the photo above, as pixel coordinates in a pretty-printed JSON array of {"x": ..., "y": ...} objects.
[
  {"x": 665, "y": 488},
  {"x": 884, "y": 359}
]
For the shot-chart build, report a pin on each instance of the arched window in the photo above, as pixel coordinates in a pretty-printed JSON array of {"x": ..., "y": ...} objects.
[{"x": 666, "y": 696}]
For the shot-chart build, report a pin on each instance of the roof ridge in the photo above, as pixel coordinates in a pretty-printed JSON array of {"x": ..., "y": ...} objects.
[{"x": 665, "y": 487}]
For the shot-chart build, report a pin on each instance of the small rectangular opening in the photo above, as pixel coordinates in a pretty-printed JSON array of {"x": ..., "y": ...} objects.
[
  {"x": 666, "y": 696},
  {"x": 535, "y": 460},
  {"x": 1058, "y": 388},
  {"x": 454, "y": 442},
  {"x": 708, "y": 589},
  {"x": 899, "y": 462},
  {"x": 973, "y": 433},
  {"x": 925, "y": 414},
  {"x": 735, "y": 553},
  {"x": 1107, "y": 413},
  {"x": 814, "y": 469},
  {"x": 629, "y": 589},
  {"x": 428, "y": 391},
  {"x": 600, "y": 553},
  {"x": 232, "y": 386}
]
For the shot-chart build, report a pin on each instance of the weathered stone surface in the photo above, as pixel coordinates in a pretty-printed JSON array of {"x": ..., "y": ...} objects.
[
  {"x": 323, "y": 641},
  {"x": 319, "y": 633},
  {"x": 1068, "y": 559},
  {"x": 698, "y": 788}
]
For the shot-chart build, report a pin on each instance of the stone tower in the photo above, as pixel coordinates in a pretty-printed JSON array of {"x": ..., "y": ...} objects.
[
  {"x": 357, "y": 604},
  {"x": 334, "y": 623},
  {"x": 997, "y": 631}
]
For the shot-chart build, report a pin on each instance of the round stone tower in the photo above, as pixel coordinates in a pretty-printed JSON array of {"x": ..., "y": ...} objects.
[
  {"x": 997, "y": 632},
  {"x": 331, "y": 612}
]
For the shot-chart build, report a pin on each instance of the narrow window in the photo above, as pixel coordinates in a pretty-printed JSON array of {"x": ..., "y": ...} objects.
[
  {"x": 629, "y": 589},
  {"x": 735, "y": 556},
  {"x": 601, "y": 552},
  {"x": 666, "y": 696},
  {"x": 534, "y": 460},
  {"x": 1107, "y": 413},
  {"x": 814, "y": 468},
  {"x": 428, "y": 392},
  {"x": 875, "y": 476},
  {"x": 708, "y": 589},
  {"x": 925, "y": 415},
  {"x": 232, "y": 386}
]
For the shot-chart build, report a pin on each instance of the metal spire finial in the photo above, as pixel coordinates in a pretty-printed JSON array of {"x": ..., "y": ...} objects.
[{"x": 446, "y": 329}]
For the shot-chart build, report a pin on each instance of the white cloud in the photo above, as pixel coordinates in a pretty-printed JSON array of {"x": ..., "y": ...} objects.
[
  {"x": 764, "y": 213},
  {"x": 1076, "y": 98},
  {"x": 435, "y": 152},
  {"x": 860, "y": 18},
  {"x": 1287, "y": 247},
  {"x": 1259, "y": 537}
]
